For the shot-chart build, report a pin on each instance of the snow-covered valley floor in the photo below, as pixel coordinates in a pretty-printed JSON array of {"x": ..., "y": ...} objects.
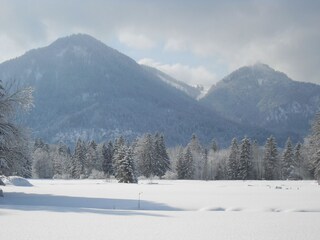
[{"x": 97, "y": 209}]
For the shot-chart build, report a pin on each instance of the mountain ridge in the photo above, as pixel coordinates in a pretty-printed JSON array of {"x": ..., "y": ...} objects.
[
  {"x": 84, "y": 88},
  {"x": 260, "y": 96}
]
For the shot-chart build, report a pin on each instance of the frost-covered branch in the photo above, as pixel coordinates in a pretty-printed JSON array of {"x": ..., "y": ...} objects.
[{"x": 13, "y": 140}]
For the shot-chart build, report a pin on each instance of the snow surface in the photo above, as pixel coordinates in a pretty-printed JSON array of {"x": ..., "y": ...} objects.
[{"x": 97, "y": 209}]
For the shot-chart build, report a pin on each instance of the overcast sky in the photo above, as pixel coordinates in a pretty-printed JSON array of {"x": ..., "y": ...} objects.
[{"x": 198, "y": 42}]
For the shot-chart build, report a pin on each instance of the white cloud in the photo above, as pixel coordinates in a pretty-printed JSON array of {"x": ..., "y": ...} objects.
[
  {"x": 193, "y": 76},
  {"x": 133, "y": 40},
  {"x": 283, "y": 34},
  {"x": 175, "y": 45},
  {"x": 11, "y": 50}
]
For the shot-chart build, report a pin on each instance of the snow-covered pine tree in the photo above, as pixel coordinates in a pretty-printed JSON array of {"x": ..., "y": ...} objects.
[
  {"x": 26, "y": 170},
  {"x": 61, "y": 161},
  {"x": 189, "y": 164},
  {"x": 287, "y": 161},
  {"x": 58, "y": 163},
  {"x": 78, "y": 159},
  {"x": 198, "y": 156},
  {"x": 257, "y": 162},
  {"x": 317, "y": 166},
  {"x": 91, "y": 158},
  {"x": 270, "y": 160},
  {"x": 298, "y": 159},
  {"x": 162, "y": 162},
  {"x": 119, "y": 142},
  {"x": 233, "y": 160},
  {"x": 107, "y": 153},
  {"x": 144, "y": 153},
  {"x": 245, "y": 171},
  {"x": 205, "y": 173},
  {"x": 181, "y": 165},
  {"x": 126, "y": 169},
  {"x": 118, "y": 158},
  {"x": 314, "y": 148}
]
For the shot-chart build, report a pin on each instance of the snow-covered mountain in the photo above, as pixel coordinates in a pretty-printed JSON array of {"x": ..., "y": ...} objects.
[
  {"x": 84, "y": 88},
  {"x": 193, "y": 92},
  {"x": 258, "y": 95}
]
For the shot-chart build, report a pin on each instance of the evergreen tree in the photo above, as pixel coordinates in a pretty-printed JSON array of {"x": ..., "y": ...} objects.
[
  {"x": 119, "y": 143},
  {"x": 91, "y": 159},
  {"x": 189, "y": 164},
  {"x": 62, "y": 161},
  {"x": 245, "y": 171},
  {"x": 270, "y": 160},
  {"x": 317, "y": 166},
  {"x": 107, "y": 153},
  {"x": 233, "y": 161},
  {"x": 205, "y": 174},
  {"x": 126, "y": 170},
  {"x": 118, "y": 158},
  {"x": 181, "y": 165},
  {"x": 162, "y": 162},
  {"x": 78, "y": 160},
  {"x": 198, "y": 156},
  {"x": 298, "y": 160},
  {"x": 146, "y": 157},
  {"x": 257, "y": 161},
  {"x": 314, "y": 148},
  {"x": 287, "y": 161},
  {"x": 58, "y": 160},
  {"x": 26, "y": 170}
]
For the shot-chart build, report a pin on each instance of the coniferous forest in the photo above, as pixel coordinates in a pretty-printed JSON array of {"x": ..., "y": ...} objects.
[{"x": 148, "y": 157}]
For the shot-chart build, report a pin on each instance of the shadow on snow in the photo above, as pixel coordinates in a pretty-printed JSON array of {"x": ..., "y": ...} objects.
[{"x": 57, "y": 203}]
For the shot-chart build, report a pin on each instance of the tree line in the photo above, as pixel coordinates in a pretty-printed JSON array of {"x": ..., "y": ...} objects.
[{"x": 147, "y": 156}]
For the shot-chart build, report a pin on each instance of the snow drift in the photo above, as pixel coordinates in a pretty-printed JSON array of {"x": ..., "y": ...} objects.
[{"x": 15, "y": 181}]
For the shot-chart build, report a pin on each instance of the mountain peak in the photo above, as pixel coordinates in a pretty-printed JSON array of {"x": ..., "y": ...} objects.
[
  {"x": 79, "y": 38},
  {"x": 261, "y": 67},
  {"x": 264, "y": 97},
  {"x": 258, "y": 72},
  {"x": 80, "y": 42},
  {"x": 258, "y": 67}
]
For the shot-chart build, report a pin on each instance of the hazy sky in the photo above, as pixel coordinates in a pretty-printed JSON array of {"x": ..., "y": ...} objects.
[{"x": 198, "y": 42}]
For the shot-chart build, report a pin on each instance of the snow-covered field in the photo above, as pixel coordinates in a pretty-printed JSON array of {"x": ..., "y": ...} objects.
[{"x": 96, "y": 209}]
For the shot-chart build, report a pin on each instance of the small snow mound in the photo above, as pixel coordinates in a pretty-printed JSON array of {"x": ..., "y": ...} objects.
[
  {"x": 212, "y": 209},
  {"x": 16, "y": 181},
  {"x": 234, "y": 209}
]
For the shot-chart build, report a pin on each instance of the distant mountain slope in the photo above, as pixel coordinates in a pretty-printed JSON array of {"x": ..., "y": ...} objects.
[
  {"x": 260, "y": 96},
  {"x": 84, "y": 88},
  {"x": 191, "y": 91}
]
